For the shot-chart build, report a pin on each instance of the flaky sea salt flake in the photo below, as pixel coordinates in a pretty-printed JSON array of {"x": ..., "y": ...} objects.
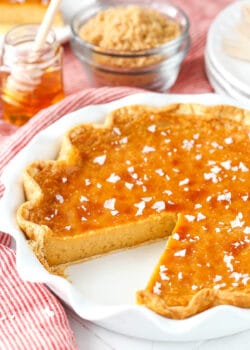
[
  {"x": 129, "y": 185},
  {"x": 225, "y": 197},
  {"x": 134, "y": 176},
  {"x": 176, "y": 236},
  {"x": 211, "y": 176},
  {"x": 146, "y": 199},
  {"x": 200, "y": 217},
  {"x": 217, "y": 278},
  {"x": 228, "y": 140},
  {"x": 226, "y": 164},
  {"x": 117, "y": 131},
  {"x": 218, "y": 286},
  {"x": 190, "y": 218},
  {"x": 159, "y": 206},
  {"x": 244, "y": 198},
  {"x": 216, "y": 145},
  {"x": 59, "y": 198},
  {"x": 100, "y": 159},
  {"x": 163, "y": 268},
  {"x": 113, "y": 178},
  {"x": 198, "y": 156},
  {"x": 152, "y": 128},
  {"x": 187, "y": 144},
  {"x": 245, "y": 279},
  {"x": 87, "y": 182},
  {"x": 180, "y": 276},
  {"x": 124, "y": 140},
  {"x": 227, "y": 259},
  {"x": 110, "y": 204},
  {"x": 148, "y": 149},
  {"x": 184, "y": 182},
  {"x": 215, "y": 169},
  {"x": 243, "y": 167},
  {"x": 246, "y": 230},
  {"x": 237, "y": 222},
  {"x": 197, "y": 206},
  {"x": 157, "y": 288},
  {"x": 159, "y": 172},
  {"x": 164, "y": 277},
  {"x": 141, "y": 206},
  {"x": 181, "y": 253},
  {"x": 168, "y": 192},
  {"x": 83, "y": 199}
]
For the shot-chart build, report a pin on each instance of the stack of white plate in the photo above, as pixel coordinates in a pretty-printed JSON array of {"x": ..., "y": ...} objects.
[{"x": 228, "y": 76}]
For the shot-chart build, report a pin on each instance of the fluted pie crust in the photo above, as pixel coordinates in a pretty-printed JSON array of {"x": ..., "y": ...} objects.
[{"x": 181, "y": 171}]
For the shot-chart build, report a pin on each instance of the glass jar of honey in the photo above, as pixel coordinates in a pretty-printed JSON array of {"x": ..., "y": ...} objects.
[{"x": 30, "y": 81}]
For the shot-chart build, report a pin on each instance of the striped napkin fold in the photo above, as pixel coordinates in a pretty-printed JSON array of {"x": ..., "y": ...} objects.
[{"x": 31, "y": 317}]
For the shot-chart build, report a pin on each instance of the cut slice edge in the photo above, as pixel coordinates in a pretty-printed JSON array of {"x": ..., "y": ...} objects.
[{"x": 202, "y": 300}]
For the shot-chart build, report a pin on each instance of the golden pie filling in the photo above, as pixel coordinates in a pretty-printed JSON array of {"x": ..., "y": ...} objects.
[{"x": 152, "y": 162}]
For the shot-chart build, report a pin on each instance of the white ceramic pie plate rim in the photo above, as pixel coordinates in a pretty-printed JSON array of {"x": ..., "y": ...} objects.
[
  {"x": 221, "y": 85},
  {"x": 125, "y": 318},
  {"x": 232, "y": 70}
]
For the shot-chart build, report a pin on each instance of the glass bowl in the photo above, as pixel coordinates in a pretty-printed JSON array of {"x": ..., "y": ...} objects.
[{"x": 105, "y": 67}]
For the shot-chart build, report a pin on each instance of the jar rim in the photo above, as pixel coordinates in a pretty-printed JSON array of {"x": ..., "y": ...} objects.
[
  {"x": 18, "y": 42},
  {"x": 26, "y": 32}
]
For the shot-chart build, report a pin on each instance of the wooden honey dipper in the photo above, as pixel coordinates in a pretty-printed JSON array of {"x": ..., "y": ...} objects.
[{"x": 26, "y": 80}]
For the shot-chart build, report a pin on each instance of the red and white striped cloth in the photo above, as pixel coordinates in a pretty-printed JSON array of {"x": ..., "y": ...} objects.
[{"x": 30, "y": 316}]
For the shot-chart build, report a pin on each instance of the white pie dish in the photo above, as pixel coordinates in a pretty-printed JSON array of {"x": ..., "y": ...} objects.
[
  {"x": 222, "y": 86},
  {"x": 232, "y": 71},
  {"x": 106, "y": 296}
]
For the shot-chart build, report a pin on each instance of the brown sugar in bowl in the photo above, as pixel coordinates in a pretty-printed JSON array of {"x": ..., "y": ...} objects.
[{"x": 131, "y": 43}]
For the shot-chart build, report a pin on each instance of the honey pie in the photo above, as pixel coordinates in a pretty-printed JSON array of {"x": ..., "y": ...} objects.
[{"x": 182, "y": 172}]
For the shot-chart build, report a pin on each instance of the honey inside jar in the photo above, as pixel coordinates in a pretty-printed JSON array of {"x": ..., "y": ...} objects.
[
  {"x": 14, "y": 12},
  {"x": 29, "y": 84}
]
